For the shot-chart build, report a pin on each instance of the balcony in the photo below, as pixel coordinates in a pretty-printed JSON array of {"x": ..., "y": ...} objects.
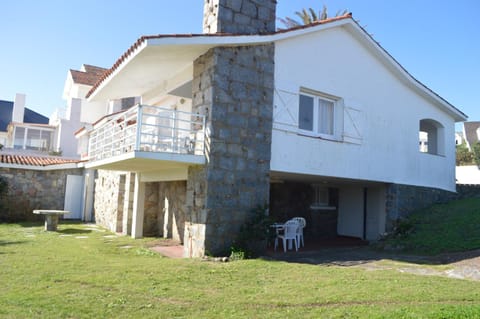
[{"x": 138, "y": 138}]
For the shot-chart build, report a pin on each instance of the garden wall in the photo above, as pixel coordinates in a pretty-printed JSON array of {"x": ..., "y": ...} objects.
[
  {"x": 404, "y": 199},
  {"x": 33, "y": 189}
]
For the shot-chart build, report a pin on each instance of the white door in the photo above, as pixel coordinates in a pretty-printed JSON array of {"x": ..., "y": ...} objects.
[{"x": 74, "y": 197}]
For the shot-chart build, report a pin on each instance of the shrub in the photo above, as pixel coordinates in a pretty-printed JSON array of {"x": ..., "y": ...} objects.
[
  {"x": 476, "y": 153},
  {"x": 463, "y": 155},
  {"x": 253, "y": 235}
]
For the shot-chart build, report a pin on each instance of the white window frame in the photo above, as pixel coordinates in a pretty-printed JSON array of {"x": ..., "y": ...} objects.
[{"x": 336, "y": 121}]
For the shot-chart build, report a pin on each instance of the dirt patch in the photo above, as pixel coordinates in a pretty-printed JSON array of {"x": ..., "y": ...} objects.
[{"x": 463, "y": 265}]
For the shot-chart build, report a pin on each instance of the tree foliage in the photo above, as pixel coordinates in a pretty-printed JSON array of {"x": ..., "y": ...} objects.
[
  {"x": 476, "y": 153},
  {"x": 463, "y": 156},
  {"x": 308, "y": 16}
]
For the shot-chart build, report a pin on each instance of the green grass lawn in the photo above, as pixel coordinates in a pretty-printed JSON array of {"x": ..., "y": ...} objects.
[
  {"x": 83, "y": 272},
  {"x": 451, "y": 227}
]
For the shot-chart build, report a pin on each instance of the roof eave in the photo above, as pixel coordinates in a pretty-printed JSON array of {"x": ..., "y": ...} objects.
[
  {"x": 398, "y": 69},
  {"x": 215, "y": 40}
]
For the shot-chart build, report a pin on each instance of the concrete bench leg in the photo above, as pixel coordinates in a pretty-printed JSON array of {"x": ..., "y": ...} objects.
[{"x": 51, "y": 222}]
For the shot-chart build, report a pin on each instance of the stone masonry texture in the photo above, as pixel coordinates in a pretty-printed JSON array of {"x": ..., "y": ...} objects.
[
  {"x": 32, "y": 189},
  {"x": 401, "y": 200},
  {"x": 239, "y": 16},
  {"x": 233, "y": 87},
  {"x": 109, "y": 196}
]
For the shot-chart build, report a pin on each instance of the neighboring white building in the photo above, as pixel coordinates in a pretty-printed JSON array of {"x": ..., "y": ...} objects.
[{"x": 16, "y": 112}]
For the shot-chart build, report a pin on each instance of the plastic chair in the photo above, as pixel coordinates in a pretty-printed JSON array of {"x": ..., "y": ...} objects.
[
  {"x": 302, "y": 223},
  {"x": 289, "y": 233}
]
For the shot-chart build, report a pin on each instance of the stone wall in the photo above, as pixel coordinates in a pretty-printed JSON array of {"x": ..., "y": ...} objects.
[
  {"x": 151, "y": 210},
  {"x": 235, "y": 16},
  {"x": 33, "y": 189},
  {"x": 233, "y": 86},
  {"x": 128, "y": 203},
  {"x": 401, "y": 200},
  {"x": 172, "y": 196},
  {"x": 109, "y": 199},
  {"x": 468, "y": 191}
]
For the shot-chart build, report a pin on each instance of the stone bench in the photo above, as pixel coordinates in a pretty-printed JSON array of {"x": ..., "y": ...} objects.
[{"x": 51, "y": 217}]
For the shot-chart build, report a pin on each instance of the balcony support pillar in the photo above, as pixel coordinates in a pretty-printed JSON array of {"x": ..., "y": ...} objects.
[{"x": 138, "y": 207}]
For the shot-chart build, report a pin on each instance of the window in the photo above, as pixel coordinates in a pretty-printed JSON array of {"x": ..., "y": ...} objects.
[
  {"x": 32, "y": 139},
  {"x": 19, "y": 137},
  {"x": 316, "y": 114},
  {"x": 431, "y": 137}
]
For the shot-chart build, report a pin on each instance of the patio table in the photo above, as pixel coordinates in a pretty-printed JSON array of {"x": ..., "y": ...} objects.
[{"x": 51, "y": 217}]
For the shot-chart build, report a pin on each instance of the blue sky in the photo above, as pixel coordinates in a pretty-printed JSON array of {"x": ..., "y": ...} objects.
[{"x": 437, "y": 41}]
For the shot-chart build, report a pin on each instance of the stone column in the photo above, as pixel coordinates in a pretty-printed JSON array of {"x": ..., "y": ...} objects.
[
  {"x": 233, "y": 87},
  {"x": 138, "y": 206},
  {"x": 128, "y": 204}
]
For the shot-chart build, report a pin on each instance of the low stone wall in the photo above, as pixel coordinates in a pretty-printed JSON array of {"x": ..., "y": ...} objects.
[
  {"x": 402, "y": 200},
  {"x": 33, "y": 189},
  {"x": 468, "y": 191}
]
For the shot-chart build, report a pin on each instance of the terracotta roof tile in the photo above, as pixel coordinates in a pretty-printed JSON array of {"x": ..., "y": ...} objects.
[
  {"x": 91, "y": 75},
  {"x": 142, "y": 39},
  {"x": 30, "y": 160}
]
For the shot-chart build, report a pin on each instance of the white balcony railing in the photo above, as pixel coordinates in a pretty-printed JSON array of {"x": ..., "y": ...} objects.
[{"x": 150, "y": 129}]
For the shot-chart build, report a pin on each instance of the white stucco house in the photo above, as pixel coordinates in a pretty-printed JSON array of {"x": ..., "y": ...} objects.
[{"x": 318, "y": 121}]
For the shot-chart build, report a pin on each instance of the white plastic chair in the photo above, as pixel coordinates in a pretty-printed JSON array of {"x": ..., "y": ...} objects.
[
  {"x": 289, "y": 233},
  {"x": 302, "y": 223}
]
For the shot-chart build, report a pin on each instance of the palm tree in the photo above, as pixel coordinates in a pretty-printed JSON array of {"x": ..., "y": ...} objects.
[{"x": 308, "y": 16}]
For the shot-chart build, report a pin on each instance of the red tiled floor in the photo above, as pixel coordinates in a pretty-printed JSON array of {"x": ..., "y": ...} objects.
[
  {"x": 175, "y": 251},
  {"x": 172, "y": 249},
  {"x": 322, "y": 243}
]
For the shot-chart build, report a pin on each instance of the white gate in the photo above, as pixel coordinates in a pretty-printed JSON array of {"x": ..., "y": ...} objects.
[{"x": 74, "y": 197}]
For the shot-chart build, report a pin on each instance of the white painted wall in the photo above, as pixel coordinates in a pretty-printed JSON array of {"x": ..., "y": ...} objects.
[
  {"x": 380, "y": 118},
  {"x": 469, "y": 174},
  {"x": 3, "y": 138},
  {"x": 18, "y": 111},
  {"x": 350, "y": 212},
  {"x": 376, "y": 215},
  {"x": 66, "y": 128}
]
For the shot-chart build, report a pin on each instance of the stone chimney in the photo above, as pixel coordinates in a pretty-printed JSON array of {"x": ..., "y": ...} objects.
[
  {"x": 233, "y": 87},
  {"x": 239, "y": 16},
  {"x": 18, "y": 108}
]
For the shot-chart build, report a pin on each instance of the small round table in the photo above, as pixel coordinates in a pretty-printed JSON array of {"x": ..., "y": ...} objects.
[{"x": 51, "y": 217}]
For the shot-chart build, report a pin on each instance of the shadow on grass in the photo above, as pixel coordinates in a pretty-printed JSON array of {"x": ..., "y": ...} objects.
[
  {"x": 28, "y": 224},
  {"x": 73, "y": 231},
  {"x": 5, "y": 243},
  {"x": 352, "y": 256}
]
